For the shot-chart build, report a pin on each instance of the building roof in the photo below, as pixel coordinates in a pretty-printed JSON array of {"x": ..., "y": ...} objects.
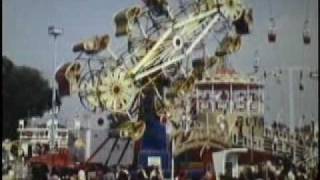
[{"x": 230, "y": 76}]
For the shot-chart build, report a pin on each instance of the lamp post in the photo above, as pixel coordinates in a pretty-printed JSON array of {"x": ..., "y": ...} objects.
[
  {"x": 54, "y": 32},
  {"x": 172, "y": 158}
]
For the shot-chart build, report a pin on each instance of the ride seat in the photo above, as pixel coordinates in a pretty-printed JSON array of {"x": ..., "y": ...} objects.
[
  {"x": 72, "y": 74},
  {"x": 124, "y": 19},
  {"x": 92, "y": 45},
  {"x": 157, "y": 7},
  {"x": 242, "y": 25}
]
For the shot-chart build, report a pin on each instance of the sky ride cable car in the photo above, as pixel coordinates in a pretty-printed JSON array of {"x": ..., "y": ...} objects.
[
  {"x": 272, "y": 36},
  {"x": 306, "y": 33},
  {"x": 301, "y": 87}
]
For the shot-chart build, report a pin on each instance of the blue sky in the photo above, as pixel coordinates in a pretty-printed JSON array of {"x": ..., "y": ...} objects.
[{"x": 26, "y": 41}]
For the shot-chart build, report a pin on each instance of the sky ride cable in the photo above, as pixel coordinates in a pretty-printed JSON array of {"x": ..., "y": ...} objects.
[
  {"x": 257, "y": 60},
  {"x": 278, "y": 75},
  {"x": 270, "y": 8},
  {"x": 307, "y": 9},
  {"x": 301, "y": 86},
  {"x": 267, "y": 73},
  {"x": 303, "y": 99},
  {"x": 299, "y": 107},
  {"x": 296, "y": 124},
  {"x": 273, "y": 72},
  {"x": 304, "y": 58},
  {"x": 277, "y": 72},
  {"x": 305, "y": 25},
  {"x": 282, "y": 99}
]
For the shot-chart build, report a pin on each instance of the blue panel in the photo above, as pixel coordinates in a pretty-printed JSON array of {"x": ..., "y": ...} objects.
[
  {"x": 155, "y": 134},
  {"x": 155, "y": 141}
]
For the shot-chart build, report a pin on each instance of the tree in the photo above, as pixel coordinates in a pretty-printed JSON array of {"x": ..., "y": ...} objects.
[{"x": 25, "y": 93}]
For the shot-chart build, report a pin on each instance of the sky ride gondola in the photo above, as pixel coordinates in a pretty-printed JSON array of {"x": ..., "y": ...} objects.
[
  {"x": 306, "y": 33},
  {"x": 272, "y": 36}
]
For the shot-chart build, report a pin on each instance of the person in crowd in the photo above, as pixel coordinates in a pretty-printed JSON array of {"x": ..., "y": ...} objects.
[
  {"x": 11, "y": 173},
  {"x": 65, "y": 177},
  {"x": 42, "y": 172},
  {"x": 156, "y": 173},
  {"x": 81, "y": 175},
  {"x": 152, "y": 172},
  {"x": 141, "y": 174},
  {"x": 149, "y": 170},
  {"x": 65, "y": 173},
  {"x": 54, "y": 174},
  {"x": 73, "y": 177},
  {"x": 183, "y": 175},
  {"x": 260, "y": 171},
  {"x": 123, "y": 175},
  {"x": 109, "y": 174},
  {"x": 159, "y": 173},
  {"x": 253, "y": 171},
  {"x": 246, "y": 174},
  {"x": 291, "y": 175},
  {"x": 117, "y": 170},
  {"x": 241, "y": 176},
  {"x": 100, "y": 173},
  {"x": 208, "y": 175}
]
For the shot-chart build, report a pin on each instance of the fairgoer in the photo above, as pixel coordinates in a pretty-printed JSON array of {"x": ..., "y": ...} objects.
[
  {"x": 109, "y": 175},
  {"x": 81, "y": 175}
]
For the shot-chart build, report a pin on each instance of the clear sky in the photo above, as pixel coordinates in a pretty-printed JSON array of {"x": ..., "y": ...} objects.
[{"x": 26, "y": 42}]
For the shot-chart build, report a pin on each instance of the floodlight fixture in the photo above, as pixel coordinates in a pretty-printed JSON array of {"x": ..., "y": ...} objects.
[{"x": 55, "y": 31}]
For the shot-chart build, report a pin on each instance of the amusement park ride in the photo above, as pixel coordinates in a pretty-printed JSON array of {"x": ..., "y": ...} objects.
[
  {"x": 161, "y": 41},
  {"x": 169, "y": 47},
  {"x": 170, "y": 90}
]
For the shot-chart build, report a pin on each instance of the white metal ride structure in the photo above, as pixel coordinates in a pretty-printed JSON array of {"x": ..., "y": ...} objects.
[{"x": 162, "y": 38}]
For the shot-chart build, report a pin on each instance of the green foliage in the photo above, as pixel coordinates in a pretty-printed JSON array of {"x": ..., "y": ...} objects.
[{"x": 25, "y": 93}]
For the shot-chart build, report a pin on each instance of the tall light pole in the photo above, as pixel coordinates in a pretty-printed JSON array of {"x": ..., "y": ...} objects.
[
  {"x": 55, "y": 32},
  {"x": 172, "y": 158}
]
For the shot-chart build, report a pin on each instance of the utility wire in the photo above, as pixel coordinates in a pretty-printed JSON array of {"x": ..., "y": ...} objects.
[
  {"x": 270, "y": 8},
  {"x": 307, "y": 9}
]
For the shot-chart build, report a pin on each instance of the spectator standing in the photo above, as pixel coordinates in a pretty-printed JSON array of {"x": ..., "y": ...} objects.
[
  {"x": 156, "y": 173},
  {"x": 54, "y": 174},
  {"x": 142, "y": 175},
  {"x": 109, "y": 175},
  {"x": 81, "y": 175},
  {"x": 182, "y": 175},
  {"x": 123, "y": 175},
  {"x": 208, "y": 175},
  {"x": 291, "y": 175},
  {"x": 100, "y": 173},
  {"x": 152, "y": 172}
]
